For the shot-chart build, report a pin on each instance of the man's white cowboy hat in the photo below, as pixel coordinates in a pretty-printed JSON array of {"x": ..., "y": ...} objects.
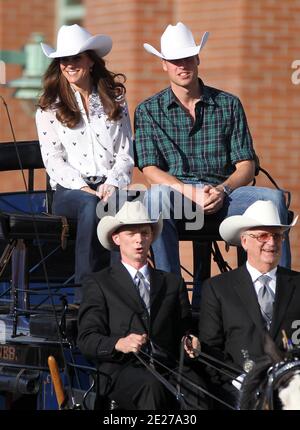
[
  {"x": 131, "y": 213},
  {"x": 73, "y": 39},
  {"x": 259, "y": 214},
  {"x": 177, "y": 42}
]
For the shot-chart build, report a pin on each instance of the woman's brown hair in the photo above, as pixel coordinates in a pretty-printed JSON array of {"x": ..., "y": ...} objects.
[{"x": 58, "y": 94}]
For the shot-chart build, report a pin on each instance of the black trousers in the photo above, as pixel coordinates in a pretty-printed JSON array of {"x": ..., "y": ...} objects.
[{"x": 136, "y": 388}]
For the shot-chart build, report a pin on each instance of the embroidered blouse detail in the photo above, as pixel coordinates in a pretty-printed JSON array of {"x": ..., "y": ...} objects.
[{"x": 94, "y": 147}]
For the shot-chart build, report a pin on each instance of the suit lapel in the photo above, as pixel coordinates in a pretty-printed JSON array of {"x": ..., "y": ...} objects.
[
  {"x": 126, "y": 289},
  {"x": 284, "y": 293},
  {"x": 243, "y": 286},
  {"x": 157, "y": 290}
]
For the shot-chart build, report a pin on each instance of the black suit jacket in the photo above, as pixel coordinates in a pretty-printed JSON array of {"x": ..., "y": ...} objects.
[
  {"x": 111, "y": 308},
  {"x": 230, "y": 317}
]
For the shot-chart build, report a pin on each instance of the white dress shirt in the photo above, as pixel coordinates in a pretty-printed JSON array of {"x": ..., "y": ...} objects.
[
  {"x": 94, "y": 147},
  {"x": 144, "y": 270},
  {"x": 255, "y": 274}
]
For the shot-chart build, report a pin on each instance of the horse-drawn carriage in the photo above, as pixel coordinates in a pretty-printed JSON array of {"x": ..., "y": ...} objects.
[
  {"x": 36, "y": 275},
  {"x": 36, "y": 294}
]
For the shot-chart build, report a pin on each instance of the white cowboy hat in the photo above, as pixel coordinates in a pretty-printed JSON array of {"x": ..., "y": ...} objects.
[
  {"x": 131, "y": 213},
  {"x": 259, "y": 214},
  {"x": 177, "y": 42},
  {"x": 73, "y": 39}
]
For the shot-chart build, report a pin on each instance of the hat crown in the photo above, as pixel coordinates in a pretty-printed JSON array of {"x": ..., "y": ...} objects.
[
  {"x": 177, "y": 42},
  {"x": 133, "y": 213},
  {"x": 73, "y": 39},
  {"x": 264, "y": 212},
  {"x": 177, "y": 36},
  {"x": 68, "y": 35}
]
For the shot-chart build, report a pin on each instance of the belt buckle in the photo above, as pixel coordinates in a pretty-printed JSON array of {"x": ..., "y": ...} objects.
[
  {"x": 95, "y": 180},
  {"x": 102, "y": 179}
]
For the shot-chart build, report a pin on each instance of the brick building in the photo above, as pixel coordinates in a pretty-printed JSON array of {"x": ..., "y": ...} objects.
[{"x": 250, "y": 52}]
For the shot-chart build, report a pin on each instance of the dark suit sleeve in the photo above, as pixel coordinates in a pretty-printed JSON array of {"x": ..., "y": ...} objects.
[
  {"x": 185, "y": 310},
  {"x": 211, "y": 332},
  {"x": 94, "y": 339}
]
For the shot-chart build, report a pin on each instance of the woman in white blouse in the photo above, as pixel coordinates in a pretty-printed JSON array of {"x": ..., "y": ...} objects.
[{"x": 85, "y": 136}]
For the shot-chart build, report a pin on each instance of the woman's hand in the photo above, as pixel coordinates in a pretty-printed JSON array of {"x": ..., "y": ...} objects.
[
  {"x": 104, "y": 191},
  {"x": 87, "y": 189}
]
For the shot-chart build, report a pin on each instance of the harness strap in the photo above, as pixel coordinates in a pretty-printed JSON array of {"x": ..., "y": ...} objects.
[{"x": 64, "y": 232}]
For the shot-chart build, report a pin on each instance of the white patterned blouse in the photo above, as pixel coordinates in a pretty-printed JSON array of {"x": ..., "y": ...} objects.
[{"x": 95, "y": 147}]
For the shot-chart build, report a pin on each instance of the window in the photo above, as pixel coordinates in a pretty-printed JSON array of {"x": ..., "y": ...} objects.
[{"x": 70, "y": 12}]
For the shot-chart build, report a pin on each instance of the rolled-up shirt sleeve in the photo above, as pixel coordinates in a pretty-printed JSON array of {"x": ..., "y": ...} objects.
[{"x": 241, "y": 145}]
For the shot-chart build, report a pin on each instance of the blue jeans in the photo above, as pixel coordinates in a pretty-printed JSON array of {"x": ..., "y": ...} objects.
[
  {"x": 90, "y": 256},
  {"x": 166, "y": 247}
]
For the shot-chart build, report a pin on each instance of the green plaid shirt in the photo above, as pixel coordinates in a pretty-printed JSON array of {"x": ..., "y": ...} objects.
[{"x": 202, "y": 151}]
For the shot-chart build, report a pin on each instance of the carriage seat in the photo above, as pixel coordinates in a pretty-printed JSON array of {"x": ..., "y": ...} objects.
[
  {"x": 29, "y": 227},
  {"x": 59, "y": 229}
]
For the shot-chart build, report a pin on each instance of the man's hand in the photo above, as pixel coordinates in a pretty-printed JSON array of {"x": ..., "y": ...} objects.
[
  {"x": 131, "y": 343},
  {"x": 213, "y": 199},
  {"x": 193, "y": 192},
  {"x": 191, "y": 345},
  {"x": 104, "y": 191},
  {"x": 209, "y": 198}
]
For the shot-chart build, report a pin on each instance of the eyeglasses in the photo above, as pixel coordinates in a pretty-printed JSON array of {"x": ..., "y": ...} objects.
[{"x": 265, "y": 237}]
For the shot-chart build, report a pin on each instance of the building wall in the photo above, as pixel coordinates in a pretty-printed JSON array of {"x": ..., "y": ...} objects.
[
  {"x": 18, "y": 19},
  {"x": 272, "y": 101},
  {"x": 250, "y": 52}
]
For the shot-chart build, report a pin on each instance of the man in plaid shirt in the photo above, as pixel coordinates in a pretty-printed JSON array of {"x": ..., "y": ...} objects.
[{"x": 189, "y": 137}]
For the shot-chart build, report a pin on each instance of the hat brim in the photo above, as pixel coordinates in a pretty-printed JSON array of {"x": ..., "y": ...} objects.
[
  {"x": 109, "y": 224},
  {"x": 177, "y": 54},
  {"x": 231, "y": 228},
  {"x": 101, "y": 44}
]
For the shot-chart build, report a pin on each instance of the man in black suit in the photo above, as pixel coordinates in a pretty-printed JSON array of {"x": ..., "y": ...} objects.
[
  {"x": 131, "y": 309},
  {"x": 239, "y": 306}
]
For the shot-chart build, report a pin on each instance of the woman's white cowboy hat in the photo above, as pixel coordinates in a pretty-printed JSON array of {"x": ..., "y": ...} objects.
[
  {"x": 131, "y": 213},
  {"x": 177, "y": 42},
  {"x": 73, "y": 39},
  {"x": 259, "y": 214}
]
